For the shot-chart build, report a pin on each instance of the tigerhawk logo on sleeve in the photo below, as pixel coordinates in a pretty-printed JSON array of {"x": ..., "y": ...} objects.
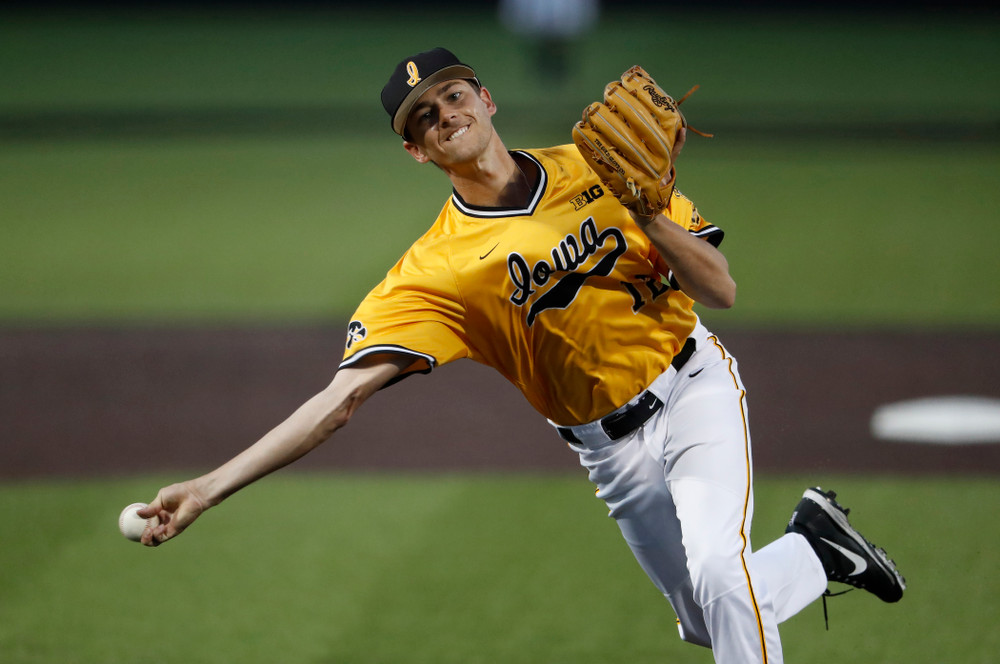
[
  {"x": 356, "y": 333},
  {"x": 567, "y": 256}
]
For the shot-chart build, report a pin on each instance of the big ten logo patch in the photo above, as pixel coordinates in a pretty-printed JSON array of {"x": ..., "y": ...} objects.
[{"x": 587, "y": 197}]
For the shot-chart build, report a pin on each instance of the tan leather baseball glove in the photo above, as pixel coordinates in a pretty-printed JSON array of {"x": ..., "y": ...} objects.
[{"x": 631, "y": 140}]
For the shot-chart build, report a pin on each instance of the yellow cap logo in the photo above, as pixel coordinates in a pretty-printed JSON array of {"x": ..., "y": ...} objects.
[{"x": 411, "y": 69}]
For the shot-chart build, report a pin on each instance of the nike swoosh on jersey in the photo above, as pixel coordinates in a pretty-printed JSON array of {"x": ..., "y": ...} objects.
[
  {"x": 483, "y": 257},
  {"x": 860, "y": 565}
]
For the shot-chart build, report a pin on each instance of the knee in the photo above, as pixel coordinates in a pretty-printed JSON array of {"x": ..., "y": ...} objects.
[{"x": 714, "y": 575}]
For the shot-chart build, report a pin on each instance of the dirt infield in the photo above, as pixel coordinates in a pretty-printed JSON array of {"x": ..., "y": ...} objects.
[{"x": 81, "y": 402}]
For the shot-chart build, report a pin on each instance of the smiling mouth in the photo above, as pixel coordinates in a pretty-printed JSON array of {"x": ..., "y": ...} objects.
[{"x": 459, "y": 133}]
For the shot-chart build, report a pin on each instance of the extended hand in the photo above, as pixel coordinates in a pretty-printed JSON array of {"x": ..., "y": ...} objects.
[{"x": 176, "y": 506}]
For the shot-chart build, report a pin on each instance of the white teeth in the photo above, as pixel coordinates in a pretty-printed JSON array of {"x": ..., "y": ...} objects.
[{"x": 458, "y": 133}]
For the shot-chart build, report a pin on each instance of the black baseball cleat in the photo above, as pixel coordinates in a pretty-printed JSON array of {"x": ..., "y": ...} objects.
[{"x": 847, "y": 557}]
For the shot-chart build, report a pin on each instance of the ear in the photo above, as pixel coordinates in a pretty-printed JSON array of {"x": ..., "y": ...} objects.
[
  {"x": 416, "y": 152},
  {"x": 487, "y": 98}
]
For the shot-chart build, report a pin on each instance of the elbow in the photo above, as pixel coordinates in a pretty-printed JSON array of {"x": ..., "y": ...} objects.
[
  {"x": 335, "y": 420},
  {"x": 723, "y": 297},
  {"x": 349, "y": 389},
  {"x": 333, "y": 423},
  {"x": 338, "y": 415},
  {"x": 729, "y": 295}
]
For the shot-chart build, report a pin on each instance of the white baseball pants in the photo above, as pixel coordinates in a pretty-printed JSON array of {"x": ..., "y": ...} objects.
[{"x": 680, "y": 489}]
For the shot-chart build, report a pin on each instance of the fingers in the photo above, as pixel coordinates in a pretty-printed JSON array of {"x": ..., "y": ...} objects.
[
  {"x": 174, "y": 509},
  {"x": 150, "y": 509},
  {"x": 679, "y": 144},
  {"x": 148, "y": 539},
  {"x": 162, "y": 529},
  {"x": 155, "y": 536}
]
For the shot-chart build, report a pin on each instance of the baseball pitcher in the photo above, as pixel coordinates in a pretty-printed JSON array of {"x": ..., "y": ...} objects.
[{"x": 573, "y": 271}]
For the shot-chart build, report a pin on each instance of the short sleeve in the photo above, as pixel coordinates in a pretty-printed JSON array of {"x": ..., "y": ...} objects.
[
  {"x": 702, "y": 229},
  {"x": 416, "y": 311},
  {"x": 684, "y": 213}
]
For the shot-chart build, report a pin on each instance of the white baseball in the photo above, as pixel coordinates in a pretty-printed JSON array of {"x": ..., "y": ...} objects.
[{"x": 132, "y": 524}]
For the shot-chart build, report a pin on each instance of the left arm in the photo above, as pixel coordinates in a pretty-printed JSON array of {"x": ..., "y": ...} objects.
[{"x": 701, "y": 270}]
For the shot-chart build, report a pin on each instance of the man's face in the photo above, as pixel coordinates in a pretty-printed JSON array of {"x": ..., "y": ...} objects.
[{"x": 450, "y": 123}]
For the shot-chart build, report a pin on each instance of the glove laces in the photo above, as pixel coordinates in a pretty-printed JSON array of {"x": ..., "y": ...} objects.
[{"x": 686, "y": 125}]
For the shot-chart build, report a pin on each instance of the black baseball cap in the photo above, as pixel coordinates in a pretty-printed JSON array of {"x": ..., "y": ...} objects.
[{"x": 414, "y": 76}]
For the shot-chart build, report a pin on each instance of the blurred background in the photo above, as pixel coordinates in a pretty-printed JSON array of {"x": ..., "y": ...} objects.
[
  {"x": 194, "y": 196},
  {"x": 174, "y": 161}
]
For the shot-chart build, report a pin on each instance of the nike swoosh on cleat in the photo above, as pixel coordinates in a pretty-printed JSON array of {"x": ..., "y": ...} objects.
[{"x": 860, "y": 565}]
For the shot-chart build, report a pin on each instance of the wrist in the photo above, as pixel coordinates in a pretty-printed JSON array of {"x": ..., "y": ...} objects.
[
  {"x": 209, "y": 490},
  {"x": 642, "y": 220}
]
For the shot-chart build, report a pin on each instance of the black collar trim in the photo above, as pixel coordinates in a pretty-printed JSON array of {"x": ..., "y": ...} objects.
[{"x": 495, "y": 212}]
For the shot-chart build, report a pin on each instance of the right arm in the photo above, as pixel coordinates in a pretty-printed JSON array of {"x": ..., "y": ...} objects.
[{"x": 178, "y": 505}]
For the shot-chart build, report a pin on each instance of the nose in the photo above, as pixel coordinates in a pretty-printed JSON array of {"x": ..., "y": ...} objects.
[{"x": 447, "y": 117}]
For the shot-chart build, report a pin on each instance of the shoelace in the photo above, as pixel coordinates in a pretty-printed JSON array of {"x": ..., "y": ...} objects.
[{"x": 827, "y": 593}]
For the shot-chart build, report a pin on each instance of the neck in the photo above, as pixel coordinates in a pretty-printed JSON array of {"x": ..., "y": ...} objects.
[{"x": 493, "y": 180}]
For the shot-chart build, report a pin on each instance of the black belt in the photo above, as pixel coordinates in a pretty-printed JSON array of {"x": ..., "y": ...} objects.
[{"x": 621, "y": 424}]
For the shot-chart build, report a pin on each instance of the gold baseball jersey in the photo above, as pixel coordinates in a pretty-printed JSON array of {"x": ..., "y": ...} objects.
[{"x": 567, "y": 298}]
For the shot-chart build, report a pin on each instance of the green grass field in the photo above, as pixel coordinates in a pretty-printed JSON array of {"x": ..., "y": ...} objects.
[{"x": 451, "y": 568}]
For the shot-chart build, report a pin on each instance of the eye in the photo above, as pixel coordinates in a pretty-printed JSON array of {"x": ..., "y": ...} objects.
[{"x": 454, "y": 96}]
